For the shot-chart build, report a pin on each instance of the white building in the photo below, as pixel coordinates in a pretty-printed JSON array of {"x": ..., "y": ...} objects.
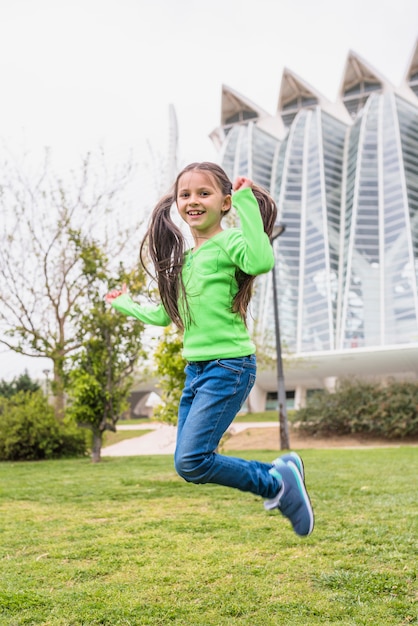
[{"x": 345, "y": 178}]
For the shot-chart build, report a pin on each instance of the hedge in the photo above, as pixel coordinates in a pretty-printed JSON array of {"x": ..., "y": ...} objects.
[{"x": 389, "y": 411}]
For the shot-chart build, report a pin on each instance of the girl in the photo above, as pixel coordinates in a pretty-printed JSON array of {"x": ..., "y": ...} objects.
[{"x": 205, "y": 291}]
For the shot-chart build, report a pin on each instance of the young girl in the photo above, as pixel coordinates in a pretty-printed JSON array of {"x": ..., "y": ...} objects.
[{"x": 205, "y": 291}]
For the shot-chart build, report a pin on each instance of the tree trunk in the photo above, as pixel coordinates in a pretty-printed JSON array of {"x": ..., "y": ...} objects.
[
  {"x": 58, "y": 392},
  {"x": 96, "y": 446}
]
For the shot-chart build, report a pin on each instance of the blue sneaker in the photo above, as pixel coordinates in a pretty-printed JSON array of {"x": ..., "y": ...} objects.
[
  {"x": 295, "y": 458},
  {"x": 292, "y": 500}
]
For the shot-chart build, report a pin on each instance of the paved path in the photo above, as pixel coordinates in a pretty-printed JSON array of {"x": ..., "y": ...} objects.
[{"x": 162, "y": 439}]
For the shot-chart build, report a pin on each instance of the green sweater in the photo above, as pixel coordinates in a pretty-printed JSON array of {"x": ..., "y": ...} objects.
[{"x": 209, "y": 277}]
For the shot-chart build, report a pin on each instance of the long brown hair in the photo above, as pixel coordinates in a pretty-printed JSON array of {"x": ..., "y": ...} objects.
[{"x": 165, "y": 244}]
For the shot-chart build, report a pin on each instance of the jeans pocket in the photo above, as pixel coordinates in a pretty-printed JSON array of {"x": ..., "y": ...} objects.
[{"x": 233, "y": 365}]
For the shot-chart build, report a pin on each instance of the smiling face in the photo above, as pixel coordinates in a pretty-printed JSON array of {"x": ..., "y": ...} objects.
[{"x": 201, "y": 203}]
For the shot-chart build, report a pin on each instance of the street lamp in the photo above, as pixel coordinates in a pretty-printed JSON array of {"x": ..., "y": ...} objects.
[
  {"x": 281, "y": 391},
  {"x": 46, "y": 373}
]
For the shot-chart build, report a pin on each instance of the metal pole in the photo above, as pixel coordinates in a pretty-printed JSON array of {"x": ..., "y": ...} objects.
[
  {"x": 281, "y": 389},
  {"x": 46, "y": 372}
]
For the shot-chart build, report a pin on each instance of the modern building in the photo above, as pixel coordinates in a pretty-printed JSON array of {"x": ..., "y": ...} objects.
[{"x": 345, "y": 178}]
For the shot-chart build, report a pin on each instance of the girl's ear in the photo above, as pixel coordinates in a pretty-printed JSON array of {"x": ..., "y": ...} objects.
[{"x": 227, "y": 203}]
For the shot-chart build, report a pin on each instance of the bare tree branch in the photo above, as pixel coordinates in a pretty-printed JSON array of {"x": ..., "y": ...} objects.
[{"x": 47, "y": 220}]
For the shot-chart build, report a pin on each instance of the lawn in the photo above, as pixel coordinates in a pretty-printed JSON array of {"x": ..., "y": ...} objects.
[{"x": 126, "y": 542}]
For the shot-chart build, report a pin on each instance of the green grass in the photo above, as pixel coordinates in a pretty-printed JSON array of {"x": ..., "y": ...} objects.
[{"x": 126, "y": 542}]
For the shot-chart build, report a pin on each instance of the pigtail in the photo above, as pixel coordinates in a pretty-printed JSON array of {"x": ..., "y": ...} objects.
[
  {"x": 268, "y": 210},
  {"x": 165, "y": 246}
]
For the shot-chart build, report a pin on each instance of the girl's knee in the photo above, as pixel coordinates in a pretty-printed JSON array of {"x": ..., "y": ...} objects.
[{"x": 192, "y": 470}]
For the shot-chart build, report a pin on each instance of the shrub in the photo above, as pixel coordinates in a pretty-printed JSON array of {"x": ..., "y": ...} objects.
[
  {"x": 30, "y": 431},
  {"x": 389, "y": 411},
  {"x": 23, "y": 383}
]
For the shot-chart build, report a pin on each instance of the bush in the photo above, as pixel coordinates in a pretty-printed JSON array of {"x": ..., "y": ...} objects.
[
  {"x": 389, "y": 411},
  {"x": 23, "y": 383},
  {"x": 30, "y": 431}
]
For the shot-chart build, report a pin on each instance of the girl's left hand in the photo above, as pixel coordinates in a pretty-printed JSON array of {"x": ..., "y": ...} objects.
[{"x": 241, "y": 183}]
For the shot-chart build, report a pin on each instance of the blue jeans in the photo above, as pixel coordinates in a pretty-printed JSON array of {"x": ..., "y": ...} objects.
[{"x": 213, "y": 394}]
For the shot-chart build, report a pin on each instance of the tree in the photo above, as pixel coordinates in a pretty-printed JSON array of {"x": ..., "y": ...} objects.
[
  {"x": 170, "y": 369},
  {"x": 43, "y": 284},
  {"x": 22, "y": 383},
  {"x": 100, "y": 382}
]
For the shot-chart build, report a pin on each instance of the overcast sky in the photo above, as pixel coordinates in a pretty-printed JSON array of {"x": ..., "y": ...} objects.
[{"x": 78, "y": 73}]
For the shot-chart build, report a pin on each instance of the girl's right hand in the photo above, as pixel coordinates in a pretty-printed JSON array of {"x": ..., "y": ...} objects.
[
  {"x": 115, "y": 293},
  {"x": 241, "y": 182}
]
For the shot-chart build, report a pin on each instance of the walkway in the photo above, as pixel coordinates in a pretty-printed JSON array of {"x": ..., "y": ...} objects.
[{"x": 162, "y": 439}]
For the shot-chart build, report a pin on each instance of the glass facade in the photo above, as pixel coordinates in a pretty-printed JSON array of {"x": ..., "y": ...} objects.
[{"x": 346, "y": 183}]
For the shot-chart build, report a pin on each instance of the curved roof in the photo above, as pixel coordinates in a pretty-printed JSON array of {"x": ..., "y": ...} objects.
[
  {"x": 359, "y": 81},
  {"x": 296, "y": 94},
  {"x": 293, "y": 87},
  {"x": 357, "y": 70},
  {"x": 236, "y": 107}
]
